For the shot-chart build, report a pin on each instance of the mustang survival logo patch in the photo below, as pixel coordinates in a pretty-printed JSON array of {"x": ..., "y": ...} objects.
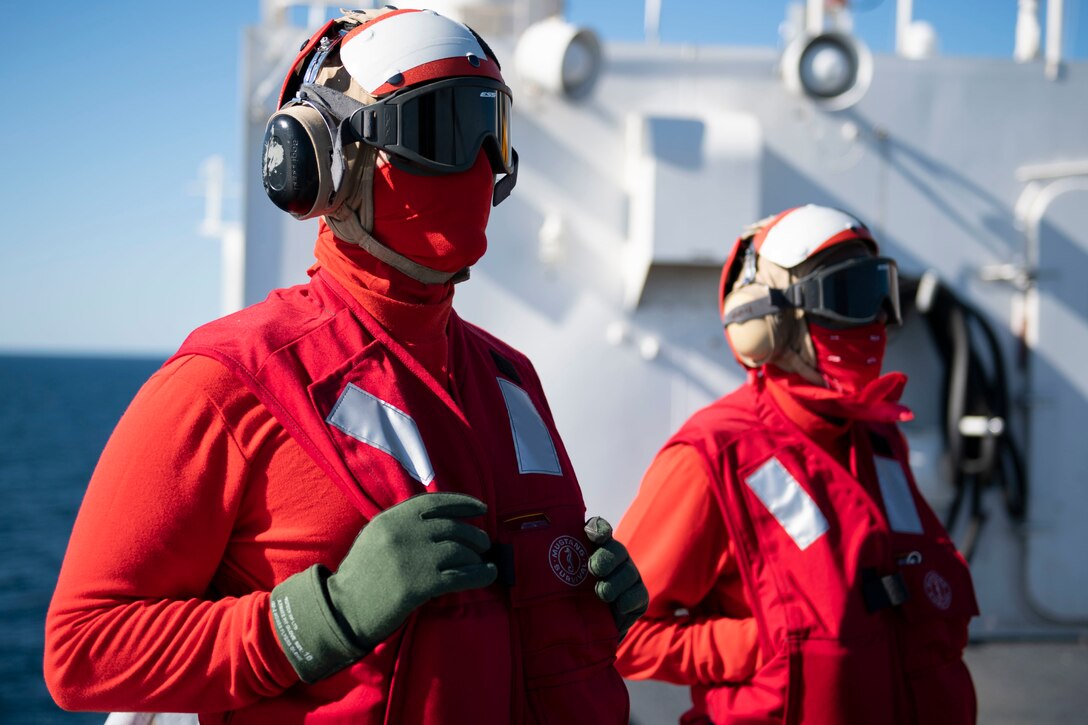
[{"x": 569, "y": 560}]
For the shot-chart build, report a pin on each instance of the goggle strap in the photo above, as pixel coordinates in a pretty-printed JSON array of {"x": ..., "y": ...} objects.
[
  {"x": 369, "y": 126},
  {"x": 505, "y": 185},
  {"x": 340, "y": 105},
  {"x": 775, "y": 301},
  {"x": 798, "y": 296}
]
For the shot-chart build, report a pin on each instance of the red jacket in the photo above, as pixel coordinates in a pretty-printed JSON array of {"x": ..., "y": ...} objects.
[
  {"x": 538, "y": 646},
  {"x": 825, "y": 553}
]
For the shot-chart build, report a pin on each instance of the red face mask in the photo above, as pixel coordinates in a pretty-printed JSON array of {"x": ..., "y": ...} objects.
[
  {"x": 438, "y": 221},
  {"x": 849, "y": 359}
]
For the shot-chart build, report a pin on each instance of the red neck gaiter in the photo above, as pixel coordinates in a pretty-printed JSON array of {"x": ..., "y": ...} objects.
[
  {"x": 437, "y": 221},
  {"x": 850, "y": 361}
]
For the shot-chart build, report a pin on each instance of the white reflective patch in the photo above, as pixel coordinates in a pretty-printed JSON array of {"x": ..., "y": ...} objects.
[
  {"x": 788, "y": 502},
  {"x": 898, "y": 501},
  {"x": 532, "y": 440},
  {"x": 377, "y": 423}
]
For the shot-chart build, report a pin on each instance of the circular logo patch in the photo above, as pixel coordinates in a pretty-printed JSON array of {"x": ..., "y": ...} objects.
[
  {"x": 937, "y": 590},
  {"x": 569, "y": 560}
]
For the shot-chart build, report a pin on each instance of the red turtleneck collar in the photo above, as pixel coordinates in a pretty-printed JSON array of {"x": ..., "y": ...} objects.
[{"x": 415, "y": 314}]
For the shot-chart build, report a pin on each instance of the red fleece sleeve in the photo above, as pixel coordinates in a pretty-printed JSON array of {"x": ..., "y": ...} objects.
[
  {"x": 698, "y": 628},
  {"x": 131, "y": 625}
]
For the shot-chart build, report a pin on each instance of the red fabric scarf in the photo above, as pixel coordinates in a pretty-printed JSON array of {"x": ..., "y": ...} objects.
[{"x": 850, "y": 361}]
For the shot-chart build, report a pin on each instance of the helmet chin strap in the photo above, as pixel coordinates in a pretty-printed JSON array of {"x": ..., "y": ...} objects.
[
  {"x": 798, "y": 355},
  {"x": 355, "y": 217},
  {"x": 790, "y": 362},
  {"x": 350, "y": 228},
  {"x": 402, "y": 264}
]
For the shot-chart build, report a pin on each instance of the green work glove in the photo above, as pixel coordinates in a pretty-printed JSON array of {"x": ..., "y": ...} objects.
[
  {"x": 619, "y": 582},
  {"x": 407, "y": 554}
]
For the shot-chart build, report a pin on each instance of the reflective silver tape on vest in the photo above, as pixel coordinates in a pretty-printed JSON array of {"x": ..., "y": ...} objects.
[
  {"x": 898, "y": 501},
  {"x": 375, "y": 422},
  {"x": 532, "y": 439},
  {"x": 788, "y": 502}
]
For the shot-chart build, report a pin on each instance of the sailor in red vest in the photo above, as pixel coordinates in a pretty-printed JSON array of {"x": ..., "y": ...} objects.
[
  {"x": 796, "y": 575},
  {"x": 345, "y": 503}
]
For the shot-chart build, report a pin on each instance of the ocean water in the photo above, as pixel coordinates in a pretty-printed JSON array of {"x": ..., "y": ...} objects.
[{"x": 56, "y": 414}]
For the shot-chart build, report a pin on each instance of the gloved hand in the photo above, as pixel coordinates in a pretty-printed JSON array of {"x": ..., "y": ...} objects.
[
  {"x": 409, "y": 553},
  {"x": 619, "y": 581}
]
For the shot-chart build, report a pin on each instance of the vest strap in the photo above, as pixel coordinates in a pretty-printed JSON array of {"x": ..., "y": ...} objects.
[
  {"x": 502, "y": 556},
  {"x": 505, "y": 367}
]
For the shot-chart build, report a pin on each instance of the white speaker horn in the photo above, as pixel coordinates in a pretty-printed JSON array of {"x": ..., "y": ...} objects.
[{"x": 558, "y": 57}]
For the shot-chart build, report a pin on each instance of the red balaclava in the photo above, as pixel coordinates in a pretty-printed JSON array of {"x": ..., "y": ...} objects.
[{"x": 438, "y": 221}]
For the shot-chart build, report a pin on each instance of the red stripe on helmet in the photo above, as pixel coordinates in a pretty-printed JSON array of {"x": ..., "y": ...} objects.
[
  {"x": 860, "y": 234},
  {"x": 439, "y": 69}
]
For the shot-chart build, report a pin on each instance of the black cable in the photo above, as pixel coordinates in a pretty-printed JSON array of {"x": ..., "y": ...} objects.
[{"x": 972, "y": 464}]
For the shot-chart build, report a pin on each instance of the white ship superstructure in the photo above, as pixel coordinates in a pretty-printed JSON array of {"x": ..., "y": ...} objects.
[{"x": 641, "y": 162}]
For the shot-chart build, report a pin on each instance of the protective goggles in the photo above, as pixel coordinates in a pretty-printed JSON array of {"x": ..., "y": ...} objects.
[
  {"x": 439, "y": 127},
  {"x": 442, "y": 125},
  {"x": 853, "y": 292}
]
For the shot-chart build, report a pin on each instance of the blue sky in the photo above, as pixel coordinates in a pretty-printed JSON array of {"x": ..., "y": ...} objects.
[{"x": 112, "y": 106}]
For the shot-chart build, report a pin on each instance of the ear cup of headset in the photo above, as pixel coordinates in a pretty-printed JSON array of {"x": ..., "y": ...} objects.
[
  {"x": 296, "y": 164},
  {"x": 757, "y": 341}
]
